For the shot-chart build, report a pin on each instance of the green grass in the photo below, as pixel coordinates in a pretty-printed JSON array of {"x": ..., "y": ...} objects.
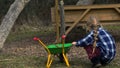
[
  {"x": 15, "y": 61},
  {"x": 12, "y": 61},
  {"x": 29, "y": 33},
  {"x": 112, "y": 27},
  {"x": 20, "y": 36}
]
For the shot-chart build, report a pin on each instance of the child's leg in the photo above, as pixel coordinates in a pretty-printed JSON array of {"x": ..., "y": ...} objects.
[
  {"x": 94, "y": 57},
  {"x": 89, "y": 50},
  {"x": 104, "y": 62},
  {"x": 95, "y": 60}
]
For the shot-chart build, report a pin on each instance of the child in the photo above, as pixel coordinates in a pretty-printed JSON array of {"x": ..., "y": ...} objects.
[{"x": 99, "y": 44}]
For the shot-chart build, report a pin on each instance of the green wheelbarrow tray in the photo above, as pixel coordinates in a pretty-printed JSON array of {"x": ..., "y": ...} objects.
[{"x": 57, "y": 48}]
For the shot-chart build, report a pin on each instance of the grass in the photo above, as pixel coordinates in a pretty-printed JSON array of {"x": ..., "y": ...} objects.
[
  {"x": 114, "y": 27},
  {"x": 12, "y": 61},
  {"x": 29, "y": 33},
  {"x": 20, "y": 36},
  {"x": 15, "y": 61}
]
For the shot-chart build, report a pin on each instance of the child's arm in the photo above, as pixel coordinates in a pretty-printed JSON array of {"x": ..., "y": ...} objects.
[{"x": 85, "y": 41}]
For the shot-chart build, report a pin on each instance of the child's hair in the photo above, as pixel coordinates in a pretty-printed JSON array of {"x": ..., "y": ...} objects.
[{"x": 90, "y": 23}]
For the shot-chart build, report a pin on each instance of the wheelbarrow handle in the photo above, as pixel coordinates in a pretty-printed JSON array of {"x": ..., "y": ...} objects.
[
  {"x": 35, "y": 38},
  {"x": 63, "y": 36},
  {"x": 63, "y": 41}
]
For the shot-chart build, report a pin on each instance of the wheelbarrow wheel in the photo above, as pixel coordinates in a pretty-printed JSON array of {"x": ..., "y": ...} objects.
[{"x": 61, "y": 58}]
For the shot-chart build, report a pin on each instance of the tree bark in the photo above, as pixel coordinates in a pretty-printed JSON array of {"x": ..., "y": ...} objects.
[
  {"x": 85, "y": 2},
  {"x": 62, "y": 20},
  {"x": 9, "y": 19}
]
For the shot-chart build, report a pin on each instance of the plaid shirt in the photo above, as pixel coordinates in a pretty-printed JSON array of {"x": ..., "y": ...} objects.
[{"x": 105, "y": 42}]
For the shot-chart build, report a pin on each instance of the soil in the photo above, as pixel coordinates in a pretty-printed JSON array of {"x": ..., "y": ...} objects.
[{"x": 30, "y": 47}]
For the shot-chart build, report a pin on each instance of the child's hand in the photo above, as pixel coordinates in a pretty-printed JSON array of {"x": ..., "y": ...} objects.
[{"x": 74, "y": 43}]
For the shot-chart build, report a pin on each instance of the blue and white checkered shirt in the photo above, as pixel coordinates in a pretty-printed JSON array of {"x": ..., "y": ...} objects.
[{"x": 105, "y": 42}]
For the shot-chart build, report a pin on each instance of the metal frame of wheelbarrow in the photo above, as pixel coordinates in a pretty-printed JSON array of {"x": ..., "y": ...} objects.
[{"x": 50, "y": 58}]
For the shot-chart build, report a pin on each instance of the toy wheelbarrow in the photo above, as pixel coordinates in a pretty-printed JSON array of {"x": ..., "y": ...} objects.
[{"x": 54, "y": 49}]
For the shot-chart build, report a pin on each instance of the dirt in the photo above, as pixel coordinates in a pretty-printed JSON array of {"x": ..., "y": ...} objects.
[{"x": 30, "y": 47}]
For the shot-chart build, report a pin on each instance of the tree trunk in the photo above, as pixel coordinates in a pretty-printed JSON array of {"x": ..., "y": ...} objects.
[
  {"x": 62, "y": 21},
  {"x": 85, "y": 2},
  {"x": 9, "y": 19}
]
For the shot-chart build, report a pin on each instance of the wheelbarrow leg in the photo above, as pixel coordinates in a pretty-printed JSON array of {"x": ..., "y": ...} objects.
[
  {"x": 66, "y": 60},
  {"x": 63, "y": 51},
  {"x": 49, "y": 61}
]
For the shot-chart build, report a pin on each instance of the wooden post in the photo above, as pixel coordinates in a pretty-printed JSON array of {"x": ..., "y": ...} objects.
[{"x": 57, "y": 22}]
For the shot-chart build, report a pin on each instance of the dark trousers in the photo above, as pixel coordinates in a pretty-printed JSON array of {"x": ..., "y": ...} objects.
[
  {"x": 96, "y": 56},
  {"x": 97, "y": 59}
]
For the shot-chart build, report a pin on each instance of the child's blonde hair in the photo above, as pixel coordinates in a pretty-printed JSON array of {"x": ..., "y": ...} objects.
[{"x": 91, "y": 23}]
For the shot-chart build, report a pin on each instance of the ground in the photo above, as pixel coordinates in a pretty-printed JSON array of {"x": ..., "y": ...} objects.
[{"x": 27, "y": 53}]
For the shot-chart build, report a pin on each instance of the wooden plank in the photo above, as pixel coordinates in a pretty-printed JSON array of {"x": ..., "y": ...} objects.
[
  {"x": 74, "y": 7},
  {"x": 103, "y": 14},
  {"x": 75, "y": 14},
  {"x": 117, "y": 9},
  {"x": 57, "y": 22},
  {"x": 77, "y": 21},
  {"x": 102, "y": 23}
]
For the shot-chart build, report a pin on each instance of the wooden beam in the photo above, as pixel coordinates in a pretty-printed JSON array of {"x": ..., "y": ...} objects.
[
  {"x": 117, "y": 9},
  {"x": 81, "y": 24},
  {"x": 57, "y": 22},
  {"x": 75, "y": 23},
  {"x": 74, "y": 7}
]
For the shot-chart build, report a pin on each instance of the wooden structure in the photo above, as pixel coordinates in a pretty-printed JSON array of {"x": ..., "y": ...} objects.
[{"x": 77, "y": 15}]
